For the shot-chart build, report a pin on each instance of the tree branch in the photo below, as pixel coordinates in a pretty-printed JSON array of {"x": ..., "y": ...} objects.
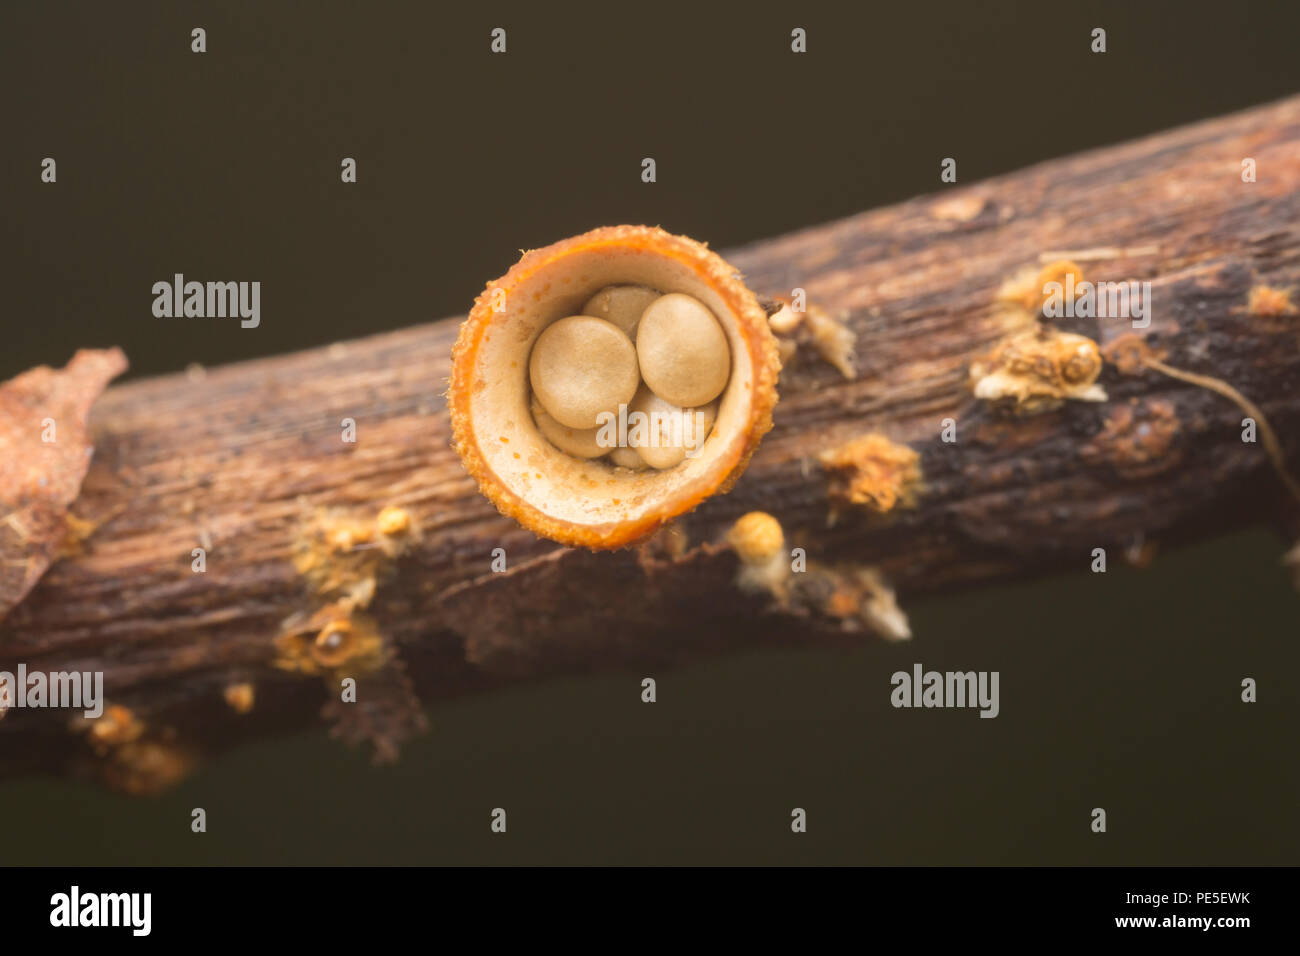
[{"x": 247, "y": 462}]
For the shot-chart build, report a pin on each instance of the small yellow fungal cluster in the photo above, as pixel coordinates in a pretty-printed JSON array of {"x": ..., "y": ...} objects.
[
  {"x": 342, "y": 556},
  {"x": 1025, "y": 289},
  {"x": 116, "y": 726},
  {"x": 239, "y": 697},
  {"x": 1038, "y": 370},
  {"x": 1273, "y": 309},
  {"x": 854, "y": 597},
  {"x": 874, "y": 472},
  {"x": 393, "y": 525},
  {"x": 336, "y": 643},
  {"x": 1268, "y": 302},
  {"x": 638, "y": 350},
  {"x": 133, "y": 759},
  {"x": 146, "y": 767},
  {"x": 334, "y": 639}
]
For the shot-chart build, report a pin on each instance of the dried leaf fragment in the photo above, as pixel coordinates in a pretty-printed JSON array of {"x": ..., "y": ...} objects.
[{"x": 44, "y": 453}]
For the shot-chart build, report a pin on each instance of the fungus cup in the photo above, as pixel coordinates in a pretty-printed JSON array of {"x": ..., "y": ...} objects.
[{"x": 545, "y": 473}]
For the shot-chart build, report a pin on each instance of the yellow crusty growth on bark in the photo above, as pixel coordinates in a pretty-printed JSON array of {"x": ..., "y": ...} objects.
[
  {"x": 132, "y": 757},
  {"x": 239, "y": 697},
  {"x": 342, "y": 556},
  {"x": 855, "y": 598},
  {"x": 334, "y": 640},
  {"x": 874, "y": 472},
  {"x": 1038, "y": 370},
  {"x": 146, "y": 767},
  {"x": 1268, "y": 302},
  {"x": 116, "y": 726},
  {"x": 1025, "y": 288}
]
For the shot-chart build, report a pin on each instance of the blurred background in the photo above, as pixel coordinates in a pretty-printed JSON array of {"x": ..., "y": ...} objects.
[{"x": 1120, "y": 691}]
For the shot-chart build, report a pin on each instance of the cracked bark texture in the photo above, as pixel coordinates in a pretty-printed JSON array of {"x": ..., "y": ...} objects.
[{"x": 239, "y": 459}]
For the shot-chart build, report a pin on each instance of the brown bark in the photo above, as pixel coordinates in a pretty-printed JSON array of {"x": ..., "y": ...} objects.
[{"x": 245, "y": 458}]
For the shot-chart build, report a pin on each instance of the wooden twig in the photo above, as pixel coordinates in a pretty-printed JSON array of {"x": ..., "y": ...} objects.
[{"x": 248, "y": 462}]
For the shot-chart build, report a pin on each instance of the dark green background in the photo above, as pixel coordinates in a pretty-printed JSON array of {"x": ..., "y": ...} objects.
[{"x": 1119, "y": 691}]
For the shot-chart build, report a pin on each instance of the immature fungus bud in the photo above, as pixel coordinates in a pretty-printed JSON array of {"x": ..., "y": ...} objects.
[
  {"x": 621, "y": 304},
  {"x": 531, "y": 381},
  {"x": 239, "y": 697},
  {"x": 756, "y": 537},
  {"x": 682, "y": 351},
  {"x": 759, "y": 542}
]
